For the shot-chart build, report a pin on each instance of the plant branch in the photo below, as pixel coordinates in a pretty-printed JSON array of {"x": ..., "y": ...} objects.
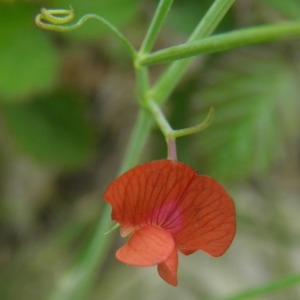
[
  {"x": 223, "y": 42},
  {"x": 170, "y": 78},
  {"x": 171, "y": 134}
]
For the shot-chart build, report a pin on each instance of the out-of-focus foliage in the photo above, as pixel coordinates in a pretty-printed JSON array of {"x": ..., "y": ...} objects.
[
  {"x": 28, "y": 60},
  {"x": 53, "y": 129},
  {"x": 256, "y": 102},
  {"x": 287, "y": 8},
  {"x": 255, "y": 94}
]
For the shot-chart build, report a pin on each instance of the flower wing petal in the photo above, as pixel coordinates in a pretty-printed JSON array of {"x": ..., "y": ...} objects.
[
  {"x": 147, "y": 246},
  {"x": 208, "y": 215},
  {"x": 167, "y": 269}
]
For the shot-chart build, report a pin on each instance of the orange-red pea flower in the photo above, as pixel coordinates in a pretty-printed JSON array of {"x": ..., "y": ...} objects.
[{"x": 166, "y": 207}]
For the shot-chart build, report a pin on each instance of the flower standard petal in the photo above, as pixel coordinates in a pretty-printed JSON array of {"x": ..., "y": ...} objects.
[
  {"x": 147, "y": 246},
  {"x": 147, "y": 193}
]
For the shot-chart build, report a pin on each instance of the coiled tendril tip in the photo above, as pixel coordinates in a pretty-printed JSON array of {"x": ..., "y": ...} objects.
[{"x": 51, "y": 19}]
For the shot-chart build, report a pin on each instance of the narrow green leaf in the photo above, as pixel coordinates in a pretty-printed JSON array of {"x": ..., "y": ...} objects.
[
  {"x": 185, "y": 15},
  {"x": 52, "y": 130},
  {"x": 155, "y": 26},
  {"x": 225, "y": 41},
  {"x": 172, "y": 75}
]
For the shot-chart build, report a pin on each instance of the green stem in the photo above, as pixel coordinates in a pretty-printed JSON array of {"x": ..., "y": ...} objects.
[
  {"x": 155, "y": 26},
  {"x": 159, "y": 117},
  {"x": 211, "y": 20},
  {"x": 171, "y": 134},
  {"x": 165, "y": 127},
  {"x": 149, "y": 40},
  {"x": 142, "y": 78},
  {"x": 268, "y": 288},
  {"x": 223, "y": 42},
  {"x": 169, "y": 79}
]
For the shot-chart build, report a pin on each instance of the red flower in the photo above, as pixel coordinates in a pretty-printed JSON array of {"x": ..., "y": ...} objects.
[{"x": 167, "y": 207}]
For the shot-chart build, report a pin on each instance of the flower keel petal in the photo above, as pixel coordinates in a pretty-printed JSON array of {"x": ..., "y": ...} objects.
[
  {"x": 167, "y": 270},
  {"x": 147, "y": 246}
]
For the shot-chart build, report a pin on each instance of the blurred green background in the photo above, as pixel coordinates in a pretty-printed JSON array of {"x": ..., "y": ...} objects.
[{"x": 67, "y": 109}]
